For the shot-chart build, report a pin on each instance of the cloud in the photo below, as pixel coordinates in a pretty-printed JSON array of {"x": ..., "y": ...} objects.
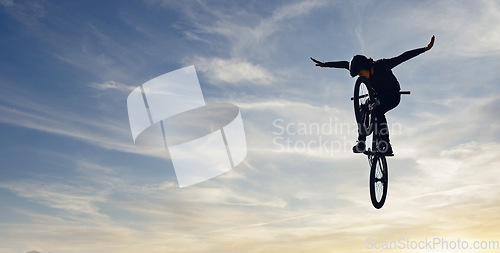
[
  {"x": 28, "y": 13},
  {"x": 248, "y": 36},
  {"x": 55, "y": 121},
  {"x": 459, "y": 181},
  {"x": 260, "y": 33},
  {"x": 464, "y": 29},
  {"x": 113, "y": 133},
  {"x": 233, "y": 71},
  {"x": 7, "y": 3},
  {"x": 113, "y": 85},
  {"x": 59, "y": 196},
  {"x": 473, "y": 27}
]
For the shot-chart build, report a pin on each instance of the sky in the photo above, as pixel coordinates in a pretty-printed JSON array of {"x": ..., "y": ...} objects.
[{"x": 72, "y": 179}]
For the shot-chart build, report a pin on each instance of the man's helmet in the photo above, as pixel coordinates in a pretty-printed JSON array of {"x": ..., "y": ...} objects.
[{"x": 358, "y": 63}]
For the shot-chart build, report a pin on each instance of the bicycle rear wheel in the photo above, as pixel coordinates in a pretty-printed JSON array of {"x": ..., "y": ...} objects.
[
  {"x": 362, "y": 96},
  {"x": 379, "y": 181}
]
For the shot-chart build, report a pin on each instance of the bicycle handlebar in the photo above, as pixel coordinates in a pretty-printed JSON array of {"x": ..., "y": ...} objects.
[{"x": 403, "y": 92}]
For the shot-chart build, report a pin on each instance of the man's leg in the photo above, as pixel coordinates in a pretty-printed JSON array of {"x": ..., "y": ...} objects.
[
  {"x": 360, "y": 145},
  {"x": 387, "y": 104},
  {"x": 382, "y": 128}
]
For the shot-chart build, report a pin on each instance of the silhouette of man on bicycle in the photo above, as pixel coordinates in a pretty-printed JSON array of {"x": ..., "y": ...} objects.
[{"x": 385, "y": 84}]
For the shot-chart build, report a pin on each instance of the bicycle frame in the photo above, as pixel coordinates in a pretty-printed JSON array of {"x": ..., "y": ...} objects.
[{"x": 366, "y": 113}]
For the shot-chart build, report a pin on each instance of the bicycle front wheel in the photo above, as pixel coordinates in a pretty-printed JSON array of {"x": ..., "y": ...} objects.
[
  {"x": 362, "y": 96},
  {"x": 379, "y": 181}
]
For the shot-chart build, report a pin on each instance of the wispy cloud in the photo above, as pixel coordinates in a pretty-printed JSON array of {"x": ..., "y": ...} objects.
[
  {"x": 27, "y": 13},
  {"x": 58, "y": 196},
  {"x": 7, "y": 3},
  {"x": 110, "y": 134},
  {"x": 112, "y": 85},
  {"x": 249, "y": 38},
  {"x": 233, "y": 71},
  {"x": 465, "y": 29}
]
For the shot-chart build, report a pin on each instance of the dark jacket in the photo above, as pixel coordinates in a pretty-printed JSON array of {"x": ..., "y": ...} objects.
[{"x": 383, "y": 80}]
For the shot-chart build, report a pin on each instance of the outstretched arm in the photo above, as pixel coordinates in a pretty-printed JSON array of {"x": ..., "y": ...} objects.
[
  {"x": 393, "y": 62},
  {"x": 335, "y": 64}
]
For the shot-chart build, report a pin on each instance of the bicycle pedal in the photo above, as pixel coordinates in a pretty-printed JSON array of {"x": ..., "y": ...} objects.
[{"x": 373, "y": 105}]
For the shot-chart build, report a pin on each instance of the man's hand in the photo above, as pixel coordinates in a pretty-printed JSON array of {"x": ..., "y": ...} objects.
[
  {"x": 318, "y": 63},
  {"x": 428, "y": 47}
]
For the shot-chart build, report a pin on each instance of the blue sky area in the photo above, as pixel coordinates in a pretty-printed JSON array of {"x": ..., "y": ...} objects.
[{"x": 72, "y": 180}]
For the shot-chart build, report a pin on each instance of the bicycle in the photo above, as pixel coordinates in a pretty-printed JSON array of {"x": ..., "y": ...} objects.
[{"x": 365, "y": 105}]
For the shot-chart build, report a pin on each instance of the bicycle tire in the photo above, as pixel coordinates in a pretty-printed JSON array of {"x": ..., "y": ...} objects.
[
  {"x": 379, "y": 181},
  {"x": 361, "y": 99}
]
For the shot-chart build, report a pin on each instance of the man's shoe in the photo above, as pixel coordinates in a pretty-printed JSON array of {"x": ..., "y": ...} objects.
[{"x": 359, "y": 147}]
